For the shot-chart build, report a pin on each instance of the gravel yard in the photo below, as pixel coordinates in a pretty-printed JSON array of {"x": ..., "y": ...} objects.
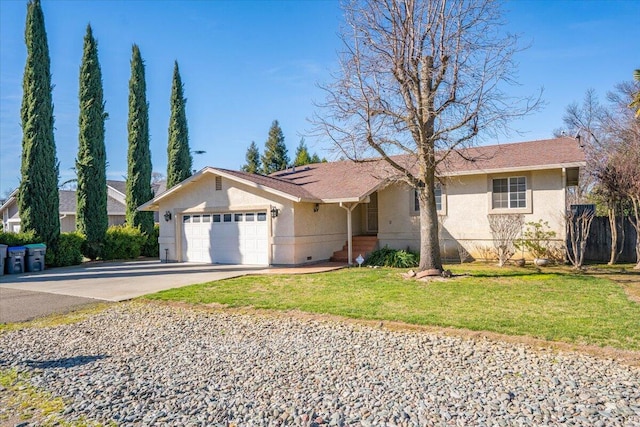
[{"x": 148, "y": 364}]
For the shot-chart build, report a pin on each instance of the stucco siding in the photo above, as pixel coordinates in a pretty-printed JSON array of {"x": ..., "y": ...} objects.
[
  {"x": 202, "y": 197},
  {"x": 319, "y": 234},
  {"x": 465, "y": 222}
]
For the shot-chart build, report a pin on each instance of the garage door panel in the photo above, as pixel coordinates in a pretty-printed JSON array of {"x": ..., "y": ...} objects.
[{"x": 226, "y": 238}]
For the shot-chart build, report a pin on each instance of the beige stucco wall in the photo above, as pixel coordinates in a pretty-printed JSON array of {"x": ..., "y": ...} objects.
[
  {"x": 201, "y": 196},
  {"x": 298, "y": 235},
  {"x": 67, "y": 223},
  {"x": 464, "y": 219},
  {"x": 319, "y": 234}
]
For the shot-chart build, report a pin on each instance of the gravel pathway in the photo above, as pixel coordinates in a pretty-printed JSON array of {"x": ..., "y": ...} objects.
[{"x": 147, "y": 364}]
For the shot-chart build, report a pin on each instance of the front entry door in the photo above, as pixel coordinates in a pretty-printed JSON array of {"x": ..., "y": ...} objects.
[{"x": 372, "y": 213}]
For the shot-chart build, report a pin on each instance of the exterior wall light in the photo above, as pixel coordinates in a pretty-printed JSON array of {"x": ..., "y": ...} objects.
[
  {"x": 274, "y": 212},
  {"x": 167, "y": 216},
  {"x": 316, "y": 207}
]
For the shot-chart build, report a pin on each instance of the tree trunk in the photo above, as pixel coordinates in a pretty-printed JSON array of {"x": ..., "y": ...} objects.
[
  {"x": 613, "y": 225},
  {"x": 636, "y": 224},
  {"x": 429, "y": 244}
]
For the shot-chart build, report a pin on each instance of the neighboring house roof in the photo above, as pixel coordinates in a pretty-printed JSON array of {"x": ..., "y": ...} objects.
[
  {"x": 119, "y": 186},
  {"x": 158, "y": 187},
  {"x": 67, "y": 204},
  {"x": 346, "y": 181},
  {"x": 9, "y": 201}
]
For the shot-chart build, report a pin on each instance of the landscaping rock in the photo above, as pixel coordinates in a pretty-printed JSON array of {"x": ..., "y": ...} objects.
[
  {"x": 147, "y": 364},
  {"x": 432, "y": 272},
  {"x": 409, "y": 274}
]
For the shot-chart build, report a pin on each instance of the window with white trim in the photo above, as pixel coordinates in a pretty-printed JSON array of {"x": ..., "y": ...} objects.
[
  {"x": 438, "y": 194},
  {"x": 509, "y": 193}
]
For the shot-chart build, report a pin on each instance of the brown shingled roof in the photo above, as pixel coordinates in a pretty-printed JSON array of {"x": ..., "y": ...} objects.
[
  {"x": 543, "y": 154},
  {"x": 349, "y": 181},
  {"x": 274, "y": 182}
]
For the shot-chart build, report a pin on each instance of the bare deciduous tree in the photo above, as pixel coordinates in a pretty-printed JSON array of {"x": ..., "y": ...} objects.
[
  {"x": 505, "y": 230},
  {"x": 578, "y": 225},
  {"x": 592, "y": 123},
  {"x": 425, "y": 79},
  {"x": 624, "y": 125}
]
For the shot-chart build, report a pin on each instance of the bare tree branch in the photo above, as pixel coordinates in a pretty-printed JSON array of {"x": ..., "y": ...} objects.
[{"x": 424, "y": 79}]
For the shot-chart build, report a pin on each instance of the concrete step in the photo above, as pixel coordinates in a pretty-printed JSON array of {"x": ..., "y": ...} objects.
[{"x": 359, "y": 245}]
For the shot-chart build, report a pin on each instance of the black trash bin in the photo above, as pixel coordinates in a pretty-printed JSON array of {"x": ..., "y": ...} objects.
[
  {"x": 35, "y": 256},
  {"x": 3, "y": 255},
  {"x": 15, "y": 259}
]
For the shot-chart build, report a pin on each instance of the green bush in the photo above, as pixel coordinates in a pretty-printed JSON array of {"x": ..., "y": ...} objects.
[
  {"x": 152, "y": 247},
  {"x": 92, "y": 250},
  {"x": 538, "y": 240},
  {"x": 17, "y": 239},
  {"x": 387, "y": 257},
  {"x": 123, "y": 242},
  {"x": 68, "y": 252}
]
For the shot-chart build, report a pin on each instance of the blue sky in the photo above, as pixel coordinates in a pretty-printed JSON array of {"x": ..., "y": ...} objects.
[{"x": 246, "y": 63}]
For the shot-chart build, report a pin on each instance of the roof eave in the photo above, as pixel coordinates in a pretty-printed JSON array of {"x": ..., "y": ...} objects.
[
  {"x": 153, "y": 204},
  {"x": 515, "y": 169}
]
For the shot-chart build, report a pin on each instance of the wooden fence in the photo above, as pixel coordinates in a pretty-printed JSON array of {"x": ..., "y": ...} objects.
[{"x": 599, "y": 241}]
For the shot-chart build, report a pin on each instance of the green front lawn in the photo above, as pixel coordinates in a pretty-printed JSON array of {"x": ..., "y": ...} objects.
[{"x": 556, "y": 304}]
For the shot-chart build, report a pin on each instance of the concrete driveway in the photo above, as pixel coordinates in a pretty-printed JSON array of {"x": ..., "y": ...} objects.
[
  {"x": 119, "y": 281},
  {"x": 29, "y": 295}
]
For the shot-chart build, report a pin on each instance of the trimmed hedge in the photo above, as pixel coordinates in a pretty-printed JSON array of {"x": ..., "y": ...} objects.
[
  {"x": 151, "y": 247},
  {"x": 123, "y": 242},
  {"x": 69, "y": 250},
  {"x": 17, "y": 239},
  {"x": 387, "y": 257}
]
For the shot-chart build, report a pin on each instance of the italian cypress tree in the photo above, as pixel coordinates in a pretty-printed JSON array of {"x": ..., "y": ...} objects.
[
  {"x": 178, "y": 153},
  {"x": 91, "y": 164},
  {"x": 275, "y": 152},
  {"x": 139, "y": 155},
  {"x": 38, "y": 199},
  {"x": 253, "y": 159}
]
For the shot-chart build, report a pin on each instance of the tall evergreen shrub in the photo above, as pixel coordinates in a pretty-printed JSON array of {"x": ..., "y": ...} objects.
[
  {"x": 38, "y": 199},
  {"x": 179, "y": 160},
  {"x": 139, "y": 154},
  {"x": 92, "y": 218}
]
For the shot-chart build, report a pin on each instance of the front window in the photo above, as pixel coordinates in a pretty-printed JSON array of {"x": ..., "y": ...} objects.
[
  {"x": 438, "y": 193},
  {"x": 509, "y": 193}
]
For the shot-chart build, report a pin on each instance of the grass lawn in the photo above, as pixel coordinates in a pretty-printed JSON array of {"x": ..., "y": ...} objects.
[{"x": 555, "y": 304}]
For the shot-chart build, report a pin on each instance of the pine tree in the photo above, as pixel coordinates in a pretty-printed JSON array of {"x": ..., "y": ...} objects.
[
  {"x": 178, "y": 153},
  {"x": 275, "y": 152},
  {"x": 91, "y": 164},
  {"x": 139, "y": 155},
  {"x": 302, "y": 154},
  {"x": 253, "y": 159},
  {"x": 38, "y": 199}
]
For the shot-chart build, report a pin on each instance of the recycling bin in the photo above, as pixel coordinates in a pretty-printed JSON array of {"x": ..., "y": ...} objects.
[
  {"x": 3, "y": 255},
  {"x": 15, "y": 259},
  {"x": 35, "y": 256}
]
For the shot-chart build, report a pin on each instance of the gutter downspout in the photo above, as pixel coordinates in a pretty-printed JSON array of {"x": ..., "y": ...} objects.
[{"x": 349, "y": 207}]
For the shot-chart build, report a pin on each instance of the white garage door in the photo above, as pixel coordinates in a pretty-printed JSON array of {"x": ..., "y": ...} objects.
[{"x": 226, "y": 238}]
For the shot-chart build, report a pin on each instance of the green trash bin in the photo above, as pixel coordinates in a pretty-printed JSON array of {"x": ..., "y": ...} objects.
[
  {"x": 15, "y": 259},
  {"x": 3, "y": 255},
  {"x": 35, "y": 256}
]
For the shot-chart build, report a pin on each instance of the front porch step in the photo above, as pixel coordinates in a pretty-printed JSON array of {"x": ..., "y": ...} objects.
[{"x": 359, "y": 245}]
